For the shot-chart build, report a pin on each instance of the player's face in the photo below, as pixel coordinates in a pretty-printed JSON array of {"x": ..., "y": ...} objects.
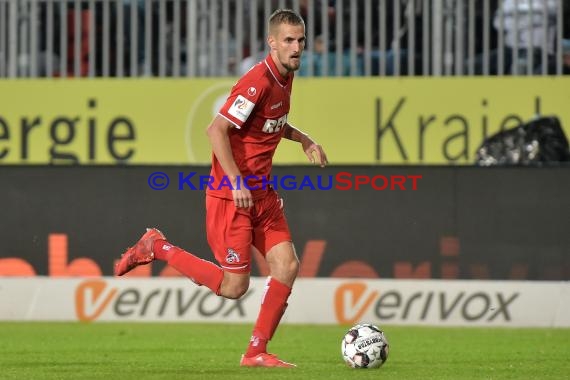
[{"x": 289, "y": 43}]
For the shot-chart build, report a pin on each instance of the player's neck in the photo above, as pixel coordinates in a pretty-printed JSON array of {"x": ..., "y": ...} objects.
[{"x": 283, "y": 72}]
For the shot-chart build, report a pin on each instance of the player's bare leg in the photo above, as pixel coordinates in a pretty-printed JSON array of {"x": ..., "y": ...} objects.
[
  {"x": 283, "y": 269},
  {"x": 283, "y": 263},
  {"x": 234, "y": 285}
]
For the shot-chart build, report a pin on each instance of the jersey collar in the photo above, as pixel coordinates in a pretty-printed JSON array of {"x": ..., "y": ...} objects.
[{"x": 273, "y": 69}]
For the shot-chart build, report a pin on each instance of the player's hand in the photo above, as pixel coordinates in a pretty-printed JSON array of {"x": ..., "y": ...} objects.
[
  {"x": 314, "y": 152},
  {"x": 242, "y": 196}
]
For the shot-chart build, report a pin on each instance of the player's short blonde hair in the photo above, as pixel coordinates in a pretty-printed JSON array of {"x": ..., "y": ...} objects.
[{"x": 283, "y": 16}]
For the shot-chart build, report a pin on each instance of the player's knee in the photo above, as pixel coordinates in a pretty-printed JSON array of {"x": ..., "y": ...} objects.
[
  {"x": 237, "y": 291},
  {"x": 234, "y": 285},
  {"x": 294, "y": 267},
  {"x": 290, "y": 268}
]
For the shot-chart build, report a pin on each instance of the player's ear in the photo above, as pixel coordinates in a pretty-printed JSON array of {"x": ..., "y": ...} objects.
[{"x": 271, "y": 42}]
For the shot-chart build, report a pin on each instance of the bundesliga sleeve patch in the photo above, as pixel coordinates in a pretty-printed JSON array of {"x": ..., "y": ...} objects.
[{"x": 241, "y": 108}]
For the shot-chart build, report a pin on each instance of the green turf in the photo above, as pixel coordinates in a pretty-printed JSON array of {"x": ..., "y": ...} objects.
[{"x": 206, "y": 351}]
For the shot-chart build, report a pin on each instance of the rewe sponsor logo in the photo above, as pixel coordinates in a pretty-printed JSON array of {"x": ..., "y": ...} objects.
[
  {"x": 354, "y": 300},
  {"x": 95, "y": 299}
]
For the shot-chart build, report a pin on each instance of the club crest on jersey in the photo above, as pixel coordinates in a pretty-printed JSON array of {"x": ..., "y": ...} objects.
[
  {"x": 241, "y": 108},
  {"x": 232, "y": 257}
]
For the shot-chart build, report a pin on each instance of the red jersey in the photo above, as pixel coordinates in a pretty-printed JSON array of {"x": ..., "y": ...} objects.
[{"x": 258, "y": 106}]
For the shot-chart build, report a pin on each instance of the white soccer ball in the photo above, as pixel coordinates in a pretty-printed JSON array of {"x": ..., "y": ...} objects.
[{"x": 364, "y": 346}]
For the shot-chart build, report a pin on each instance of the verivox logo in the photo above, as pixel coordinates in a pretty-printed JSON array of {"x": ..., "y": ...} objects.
[
  {"x": 91, "y": 298},
  {"x": 95, "y": 299},
  {"x": 354, "y": 300},
  {"x": 351, "y": 301}
]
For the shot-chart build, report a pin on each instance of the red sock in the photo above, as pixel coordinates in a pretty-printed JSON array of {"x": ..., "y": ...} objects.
[
  {"x": 273, "y": 306},
  {"x": 162, "y": 250},
  {"x": 200, "y": 271}
]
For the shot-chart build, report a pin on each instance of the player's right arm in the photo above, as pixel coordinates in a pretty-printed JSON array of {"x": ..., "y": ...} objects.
[{"x": 218, "y": 135}]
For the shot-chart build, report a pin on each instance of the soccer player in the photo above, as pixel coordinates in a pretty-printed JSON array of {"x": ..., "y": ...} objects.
[{"x": 248, "y": 214}]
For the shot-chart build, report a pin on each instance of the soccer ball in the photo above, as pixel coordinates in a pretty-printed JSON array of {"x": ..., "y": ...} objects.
[{"x": 364, "y": 346}]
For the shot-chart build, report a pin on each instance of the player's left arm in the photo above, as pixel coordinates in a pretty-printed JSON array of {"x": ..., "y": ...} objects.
[{"x": 314, "y": 151}]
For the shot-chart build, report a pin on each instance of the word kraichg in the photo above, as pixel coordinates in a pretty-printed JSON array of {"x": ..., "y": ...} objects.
[{"x": 340, "y": 181}]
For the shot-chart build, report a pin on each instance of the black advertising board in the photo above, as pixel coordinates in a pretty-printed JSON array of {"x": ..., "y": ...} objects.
[{"x": 401, "y": 222}]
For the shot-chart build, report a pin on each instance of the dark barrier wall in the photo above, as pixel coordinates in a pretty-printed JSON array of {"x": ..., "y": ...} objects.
[{"x": 459, "y": 222}]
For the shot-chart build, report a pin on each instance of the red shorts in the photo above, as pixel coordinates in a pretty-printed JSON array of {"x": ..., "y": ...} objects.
[{"x": 231, "y": 231}]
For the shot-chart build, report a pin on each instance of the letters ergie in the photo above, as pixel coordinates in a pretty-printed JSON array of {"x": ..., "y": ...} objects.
[{"x": 71, "y": 139}]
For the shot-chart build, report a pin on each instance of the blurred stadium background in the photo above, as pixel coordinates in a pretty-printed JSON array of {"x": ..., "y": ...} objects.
[{"x": 469, "y": 96}]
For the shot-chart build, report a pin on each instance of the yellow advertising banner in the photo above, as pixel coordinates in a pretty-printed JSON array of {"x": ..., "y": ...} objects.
[{"x": 357, "y": 120}]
